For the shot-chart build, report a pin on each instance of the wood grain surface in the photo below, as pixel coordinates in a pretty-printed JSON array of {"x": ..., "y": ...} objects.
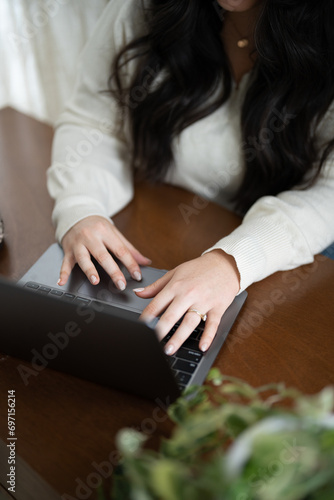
[{"x": 66, "y": 427}]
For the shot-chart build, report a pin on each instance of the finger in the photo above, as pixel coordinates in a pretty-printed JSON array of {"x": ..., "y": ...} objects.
[
  {"x": 138, "y": 256},
  {"x": 171, "y": 316},
  {"x": 83, "y": 258},
  {"x": 210, "y": 330},
  {"x": 66, "y": 269},
  {"x": 188, "y": 325},
  {"x": 122, "y": 252},
  {"x": 103, "y": 257},
  {"x": 158, "y": 305},
  {"x": 153, "y": 289}
]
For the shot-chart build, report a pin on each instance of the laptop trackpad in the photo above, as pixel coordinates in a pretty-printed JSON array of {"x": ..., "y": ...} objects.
[{"x": 106, "y": 291}]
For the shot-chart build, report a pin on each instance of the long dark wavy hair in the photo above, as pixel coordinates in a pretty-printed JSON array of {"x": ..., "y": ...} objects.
[{"x": 292, "y": 83}]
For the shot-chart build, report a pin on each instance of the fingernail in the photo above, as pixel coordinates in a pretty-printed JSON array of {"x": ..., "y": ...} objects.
[
  {"x": 204, "y": 347},
  {"x": 93, "y": 279},
  {"x": 138, "y": 290},
  {"x": 59, "y": 282},
  {"x": 121, "y": 285},
  {"x": 169, "y": 349},
  {"x": 149, "y": 261},
  {"x": 137, "y": 275}
]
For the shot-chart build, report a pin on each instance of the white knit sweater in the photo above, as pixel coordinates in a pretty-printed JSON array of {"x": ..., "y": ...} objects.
[{"x": 91, "y": 175}]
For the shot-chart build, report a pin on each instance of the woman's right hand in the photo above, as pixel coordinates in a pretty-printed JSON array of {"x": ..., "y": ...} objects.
[{"x": 96, "y": 236}]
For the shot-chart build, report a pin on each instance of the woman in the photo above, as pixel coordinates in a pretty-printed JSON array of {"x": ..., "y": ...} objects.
[{"x": 237, "y": 94}]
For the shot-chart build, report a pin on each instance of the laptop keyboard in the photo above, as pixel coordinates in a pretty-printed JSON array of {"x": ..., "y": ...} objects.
[{"x": 183, "y": 363}]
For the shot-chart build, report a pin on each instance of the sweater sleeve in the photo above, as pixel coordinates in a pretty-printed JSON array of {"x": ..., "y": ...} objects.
[
  {"x": 90, "y": 172},
  {"x": 283, "y": 232}
]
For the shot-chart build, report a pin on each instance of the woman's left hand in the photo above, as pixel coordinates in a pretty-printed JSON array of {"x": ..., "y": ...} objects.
[{"x": 207, "y": 284}]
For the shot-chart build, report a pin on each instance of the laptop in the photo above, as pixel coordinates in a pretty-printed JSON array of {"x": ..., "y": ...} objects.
[{"x": 93, "y": 332}]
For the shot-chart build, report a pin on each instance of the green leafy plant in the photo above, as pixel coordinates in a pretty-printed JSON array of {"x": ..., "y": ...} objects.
[{"x": 234, "y": 442}]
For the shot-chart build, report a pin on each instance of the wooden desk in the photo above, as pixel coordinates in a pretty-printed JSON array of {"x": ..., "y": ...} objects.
[{"x": 66, "y": 426}]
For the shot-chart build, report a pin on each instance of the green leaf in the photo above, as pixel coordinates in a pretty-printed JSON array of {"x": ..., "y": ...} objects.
[
  {"x": 215, "y": 377},
  {"x": 167, "y": 478},
  {"x": 320, "y": 404},
  {"x": 232, "y": 441},
  {"x": 129, "y": 441}
]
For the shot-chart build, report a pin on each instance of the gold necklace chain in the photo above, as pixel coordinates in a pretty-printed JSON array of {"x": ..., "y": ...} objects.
[{"x": 243, "y": 41}]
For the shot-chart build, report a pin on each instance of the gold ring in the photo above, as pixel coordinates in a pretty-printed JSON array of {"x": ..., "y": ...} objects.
[{"x": 203, "y": 316}]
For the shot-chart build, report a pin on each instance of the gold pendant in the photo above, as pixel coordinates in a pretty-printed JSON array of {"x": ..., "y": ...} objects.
[{"x": 243, "y": 43}]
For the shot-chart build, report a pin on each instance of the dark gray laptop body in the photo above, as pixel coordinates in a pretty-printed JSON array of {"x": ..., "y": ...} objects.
[{"x": 94, "y": 333}]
